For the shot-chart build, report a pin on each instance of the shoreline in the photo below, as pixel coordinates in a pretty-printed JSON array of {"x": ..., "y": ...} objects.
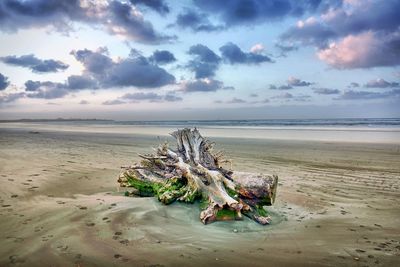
[{"x": 320, "y": 134}]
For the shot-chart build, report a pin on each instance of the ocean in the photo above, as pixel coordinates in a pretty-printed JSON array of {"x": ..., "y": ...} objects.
[{"x": 367, "y": 130}]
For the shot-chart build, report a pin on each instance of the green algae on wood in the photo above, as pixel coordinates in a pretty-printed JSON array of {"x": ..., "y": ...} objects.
[{"x": 192, "y": 172}]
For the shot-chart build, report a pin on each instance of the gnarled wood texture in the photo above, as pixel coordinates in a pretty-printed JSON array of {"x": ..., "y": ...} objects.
[{"x": 193, "y": 172}]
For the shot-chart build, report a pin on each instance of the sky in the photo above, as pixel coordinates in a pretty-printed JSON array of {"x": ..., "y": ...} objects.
[{"x": 199, "y": 59}]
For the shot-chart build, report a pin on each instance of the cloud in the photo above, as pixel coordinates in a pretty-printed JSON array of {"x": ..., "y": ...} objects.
[
  {"x": 380, "y": 83},
  {"x": 308, "y": 32},
  {"x": 196, "y": 21},
  {"x": 236, "y": 100},
  {"x": 251, "y": 12},
  {"x": 292, "y": 81},
  {"x": 45, "y": 90},
  {"x": 157, "y": 5},
  {"x": 11, "y": 97},
  {"x": 117, "y": 18},
  {"x": 4, "y": 83},
  {"x": 284, "y": 96},
  {"x": 281, "y": 87},
  {"x": 365, "y": 50},
  {"x": 135, "y": 70},
  {"x": 302, "y": 98},
  {"x": 95, "y": 62},
  {"x": 152, "y": 97},
  {"x": 126, "y": 21},
  {"x": 290, "y": 97},
  {"x": 101, "y": 72},
  {"x": 77, "y": 82},
  {"x": 352, "y": 35},
  {"x": 205, "y": 63},
  {"x": 35, "y": 64},
  {"x": 232, "y": 54},
  {"x": 113, "y": 102},
  {"x": 357, "y": 95},
  {"x": 326, "y": 91},
  {"x": 84, "y": 102},
  {"x": 203, "y": 85},
  {"x": 204, "y": 53},
  {"x": 172, "y": 98},
  {"x": 253, "y": 95},
  {"x": 162, "y": 57},
  {"x": 286, "y": 48},
  {"x": 140, "y": 96},
  {"x": 357, "y": 18},
  {"x": 353, "y": 85}
]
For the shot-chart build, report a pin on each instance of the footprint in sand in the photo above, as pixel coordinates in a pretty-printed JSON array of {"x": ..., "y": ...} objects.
[{"x": 15, "y": 259}]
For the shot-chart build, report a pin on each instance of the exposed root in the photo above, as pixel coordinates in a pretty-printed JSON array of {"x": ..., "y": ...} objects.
[{"x": 193, "y": 172}]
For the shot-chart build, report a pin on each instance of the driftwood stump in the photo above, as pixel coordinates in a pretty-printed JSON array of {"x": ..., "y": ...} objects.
[{"x": 192, "y": 172}]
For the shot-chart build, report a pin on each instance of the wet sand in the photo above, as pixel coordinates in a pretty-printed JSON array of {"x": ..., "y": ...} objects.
[{"x": 337, "y": 205}]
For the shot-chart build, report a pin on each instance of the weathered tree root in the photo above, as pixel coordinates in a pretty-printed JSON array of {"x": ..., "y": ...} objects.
[{"x": 193, "y": 172}]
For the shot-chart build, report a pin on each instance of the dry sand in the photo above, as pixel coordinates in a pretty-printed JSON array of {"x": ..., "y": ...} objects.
[{"x": 338, "y": 205}]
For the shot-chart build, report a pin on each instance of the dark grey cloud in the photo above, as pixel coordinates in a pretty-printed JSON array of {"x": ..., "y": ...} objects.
[
  {"x": 78, "y": 82},
  {"x": 162, "y": 57},
  {"x": 84, "y": 102},
  {"x": 134, "y": 26},
  {"x": 205, "y": 63},
  {"x": 196, "y": 21},
  {"x": 381, "y": 83},
  {"x": 95, "y": 62},
  {"x": 284, "y": 96},
  {"x": 236, "y": 100},
  {"x": 152, "y": 97},
  {"x": 326, "y": 91},
  {"x": 45, "y": 90},
  {"x": 158, "y": 5},
  {"x": 280, "y": 87},
  {"x": 232, "y": 54},
  {"x": 357, "y": 95},
  {"x": 286, "y": 48},
  {"x": 172, "y": 98},
  {"x": 100, "y": 71},
  {"x": 74, "y": 82},
  {"x": 253, "y": 95},
  {"x": 113, "y": 102},
  {"x": 203, "y": 85},
  {"x": 116, "y": 17},
  {"x": 140, "y": 96},
  {"x": 35, "y": 64},
  {"x": 302, "y": 98},
  {"x": 4, "y": 83},
  {"x": 138, "y": 72},
  {"x": 291, "y": 97},
  {"x": 204, "y": 53},
  {"x": 353, "y": 85},
  {"x": 135, "y": 70},
  {"x": 293, "y": 81},
  {"x": 250, "y": 12}
]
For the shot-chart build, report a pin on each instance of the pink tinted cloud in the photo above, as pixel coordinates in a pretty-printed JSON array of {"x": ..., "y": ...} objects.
[{"x": 364, "y": 50}]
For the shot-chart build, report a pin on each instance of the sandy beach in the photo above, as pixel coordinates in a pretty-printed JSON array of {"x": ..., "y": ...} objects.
[{"x": 337, "y": 203}]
